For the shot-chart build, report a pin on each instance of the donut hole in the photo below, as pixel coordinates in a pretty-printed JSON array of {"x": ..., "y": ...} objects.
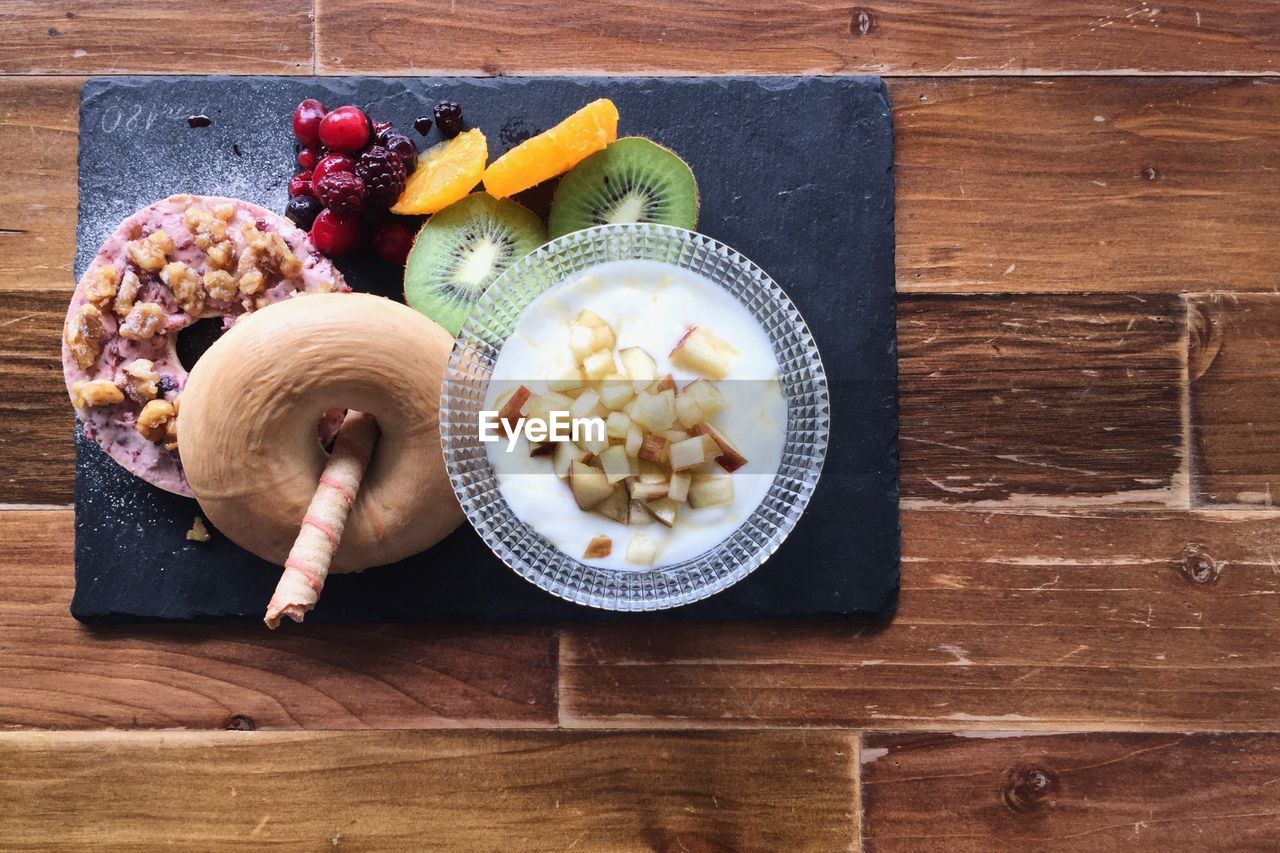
[{"x": 195, "y": 340}]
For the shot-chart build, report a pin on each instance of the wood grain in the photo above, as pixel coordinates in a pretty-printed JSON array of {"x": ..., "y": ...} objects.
[
  {"x": 1128, "y": 620},
  {"x": 758, "y": 37},
  {"x": 123, "y": 37},
  {"x": 430, "y": 791},
  {"x": 1041, "y": 399},
  {"x": 1085, "y": 792},
  {"x": 1087, "y": 185},
  {"x": 55, "y": 673},
  {"x": 1235, "y": 398}
]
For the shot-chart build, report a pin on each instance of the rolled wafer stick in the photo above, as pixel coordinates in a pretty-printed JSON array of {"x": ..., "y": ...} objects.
[{"x": 307, "y": 566}]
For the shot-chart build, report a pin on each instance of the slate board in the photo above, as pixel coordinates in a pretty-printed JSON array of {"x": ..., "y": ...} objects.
[{"x": 796, "y": 173}]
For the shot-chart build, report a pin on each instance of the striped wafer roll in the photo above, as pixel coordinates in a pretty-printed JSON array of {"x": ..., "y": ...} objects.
[{"x": 307, "y": 566}]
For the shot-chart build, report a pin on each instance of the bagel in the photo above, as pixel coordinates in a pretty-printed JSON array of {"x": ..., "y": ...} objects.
[
  {"x": 249, "y": 416},
  {"x": 168, "y": 265}
]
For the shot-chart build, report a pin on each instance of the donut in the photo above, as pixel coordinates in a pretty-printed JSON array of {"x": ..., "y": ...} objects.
[
  {"x": 248, "y": 425},
  {"x": 168, "y": 265}
]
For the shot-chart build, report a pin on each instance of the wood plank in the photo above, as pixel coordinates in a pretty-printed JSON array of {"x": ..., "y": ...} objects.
[
  {"x": 1129, "y": 620},
  {"x": 755, "y": 36},
  {"x": 430, "y": 790},
  {"x": 38, "y": 144},
  {"x": 1042, "y": 398},
  {"x": 1087, "y": 184},
  {"x": 1235, "y": 399},
  {"x": 123, "y": 37},
  {"x": 1086, "y": 792},
  {"x": 55, "y": 673}
]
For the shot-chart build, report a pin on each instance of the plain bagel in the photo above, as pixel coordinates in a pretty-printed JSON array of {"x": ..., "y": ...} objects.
[{"x": 249, "y": 416}]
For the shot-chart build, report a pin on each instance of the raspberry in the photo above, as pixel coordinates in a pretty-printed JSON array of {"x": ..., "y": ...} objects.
[
  {"x": 341, "y": 192},
  {"x": 383, "y": 175},
  {"x": 345, "y": 129},
  {"x": 401, "y": 146},
  {"x": 302, "y": 210},
  {"x": 300, "y": 184},
  {"x": 392, "y": 242},
  {"x": 335, "y": 234},
  {"x": 448, "y": 118},
  {"x": 306, "y": 122},
  {"x": 332, "y": 163}
]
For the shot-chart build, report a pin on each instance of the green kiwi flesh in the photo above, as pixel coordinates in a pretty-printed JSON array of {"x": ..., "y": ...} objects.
[
  {"x": 631, "y": 180},
  {"x": 461, "y": 250}
]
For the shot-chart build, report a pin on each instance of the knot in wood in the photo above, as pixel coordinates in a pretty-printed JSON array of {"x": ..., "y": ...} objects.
[
  {"x": 1028, "y": 787},
  {"x": 1150, "y": 173},
  {"x": 240, "y": 723},
  {"x": 862, "y": 22},
  {"x": 1200, "y": 568}
]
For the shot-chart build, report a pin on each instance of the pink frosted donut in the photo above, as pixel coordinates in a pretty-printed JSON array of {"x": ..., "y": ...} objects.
[{"x": 170, "y": 264}]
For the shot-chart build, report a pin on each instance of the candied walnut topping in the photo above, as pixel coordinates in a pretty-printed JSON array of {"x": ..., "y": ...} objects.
[
  {"x": 141, "y": 382},
  {"x": 152, "y": 252},
  {"x": 252, "y": 282},
  {"x": 222, "y": 255},
  {"x": 186, "y": 286},
  {"x": 198, "y": 531},
  {"x": 208, "y": 228},
  {"x": 145, "y": 320},
  {"x": 158, "y": 421},
  {"x": 127, "y": 295},
  {"x": 100, "y": 288},
  {"x": 96, "y": 392},
  {"x": 220, "y": 285},
  {"x": 84, "y": 334}
]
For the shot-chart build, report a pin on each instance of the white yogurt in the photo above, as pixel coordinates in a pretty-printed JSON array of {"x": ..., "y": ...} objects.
[{"x": 649, "y": 305}]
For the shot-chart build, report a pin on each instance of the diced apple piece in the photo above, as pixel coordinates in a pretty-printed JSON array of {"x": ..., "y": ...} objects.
[
  {"x": 590, "y": 485},
  {"x": 706, "y": 395},
  {"x": 541, "y": 406},
  {"x": 617, "y": 425},
  {"x": 666, "y": 383},
  {"x": 542, "y": 448},
  {"x": 602, "y": 337},
  {"x": 647, "y": 491},
  {"x": 581, "y": 341},
  {"x": 702, "y": 352},
  {"x": 729, "y": 457},
  {"x": 638, "y": 513},
  {"x": 566, "y": 454},
  {"x": 650, "y": 472},
  {"x": 710, "y": 491},
  {"x": 678, "y": 486},
  {"x": 616, "y": 506},
  {"x": 617, "y": 467},
  {"x": 635, "y": 440},
  {"x": 587, "y": 406},
  {"x": 663, "y": 509},
  {"x": 642, "y": 550},
  {"x": 688, "y": 412},
  {"x": 674, "y": 435},
  {"x": 654, "y": 448},
  {"x": 599, "y": 364},
  {"x": 594, "y": 443},
  {"x": 690, "y": 452},
  {"x": 655, "y": 412},
  {"x": 616, "y": 391},
  {"x": 639, "y": 366},
  {"x": 590, "y": 319},
  {"x": 598, "y": 548},
  {"x": 569, "y": 379},
  {"x": 511, "y": 410}
]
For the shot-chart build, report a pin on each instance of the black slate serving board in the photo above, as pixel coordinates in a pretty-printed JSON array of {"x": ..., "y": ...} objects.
[{"x": 796, "y": 173}]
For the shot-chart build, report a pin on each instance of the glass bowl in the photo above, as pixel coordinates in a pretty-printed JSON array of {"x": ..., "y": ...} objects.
[{"x": 801, "y": 377}]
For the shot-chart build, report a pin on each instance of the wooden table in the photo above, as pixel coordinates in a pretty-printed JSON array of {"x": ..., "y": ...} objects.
[{"x": 1086, "y": 653}]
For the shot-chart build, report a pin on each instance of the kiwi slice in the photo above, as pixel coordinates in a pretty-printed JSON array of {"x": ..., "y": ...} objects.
[
  {"x": 461, "y": 250},
  {"x": 631, "y": 180}
]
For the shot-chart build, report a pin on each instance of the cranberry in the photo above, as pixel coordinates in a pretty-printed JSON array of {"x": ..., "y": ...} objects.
[
  {"x": 345, "y": 129},
  {"x": 306, "y": 122},
  {"x": 308, "y": 157},
  {"x": 335, "y": 234},
  {"x": 332, "y": 163},
  {"x": 392, "y": 242},
  {"x": 301, "y": 184}
]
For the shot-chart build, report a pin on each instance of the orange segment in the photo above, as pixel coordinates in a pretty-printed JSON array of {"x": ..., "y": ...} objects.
[
  {"x": 555, "y": 151},
  {"x": 445, "y": 174}
]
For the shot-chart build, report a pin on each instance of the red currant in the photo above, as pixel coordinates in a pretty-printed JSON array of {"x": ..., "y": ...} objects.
[
  {"x": 300, "y": 185},
  {"x": 306, "y": 122},
  {"x": 345, "y": 129},
  {"x": 308, "y": 157},
  {"x": 392, "y": 242},
  {"x": 332, "y": 163},
  {"x": 335, "y": 234}
]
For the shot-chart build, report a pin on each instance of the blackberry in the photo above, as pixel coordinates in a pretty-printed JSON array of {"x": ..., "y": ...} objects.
[
  {"x": 302, "y": 210},
  {"x": 167, "y": 384},
  {"x": 342, "y": 192},
  {"x": 448, "y": 118},
  {"x": 383, "y": 175},
  {"x": 402, "y": 147}
]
